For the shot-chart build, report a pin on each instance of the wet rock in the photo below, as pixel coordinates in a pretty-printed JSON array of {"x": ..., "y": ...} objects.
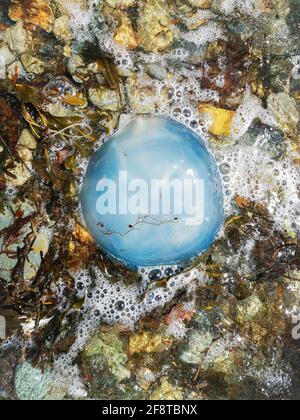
[
  {"x": 156, "y": 71},
  {"x": 7, "y": 262},
  {"x": 39, "y": 250},
  {"x": 112, "y": 122},
  {"x": 32, "y": 64},
  {"x": 62, "y": 29},
  {"x": 240, "y": 29},
  {"x": 21, "y": 173},
  {"x": 145, "y": 378},
  {"x": 36, "y": 12},
  {"x": 249, "y": 110},
  {"x": 27, "y": 140},
  {"x": 196, "y": 54},
  {"x": 223, "y": 6},
  {"x": 105, "y": 98},
  {"x": 285, "y": 110},
  {"x": 15, "y": 70},
  {"x": 61, "y": 111},
  {"x": 142, "y": 99},
  {"x": 272, "y": 36},
  {"x": 6, "y": 58},
  {"x": 293, "y": 20},
  {"x": 106, "y": 350},
  {"x": 6, "y": 218},
  {"x": 154, "y": 26},
  {"x": 30, "y": 383},
  {"x": 24, "y": 153},
  {"x": 280, "y": 74},
  {"x": 167, "y": 391},
  {"x": 184, "y": 7},
  {"x": 33, "y": 384},
  {"x": 282, "y": 7},
  {"x": 279, "y": 40},
  {"x": 249, "y": 308},
  {"x": 78, "y": 69},
  {"x": 223, "y": 356},
  {"x": 198, "y": 343},
  {"x": 6, "y": 266},
  {"x": 202, "y": 4},
  {"x": 295, "y": 81},
  {"x": 125, "y": 35},
  {"x": 22, "y": 170},
  {"x": 120, "y": 3},
  {"x": 267, "y": 139},
  {"x": 147, "y": 342},
  {"x": 220, "y": 120},
  {"x": 18, "y": 38}
]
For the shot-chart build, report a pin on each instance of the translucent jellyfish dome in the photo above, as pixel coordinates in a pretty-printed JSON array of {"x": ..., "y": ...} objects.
[{"x": 152, "y": 195}]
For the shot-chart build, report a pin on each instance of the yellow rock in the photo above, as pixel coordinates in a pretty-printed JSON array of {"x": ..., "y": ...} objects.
[
  {"x": 27, "y": 140},
  {"x": 32, "y": 64},
  {"x": 82, "y": 235},
  {"x": 202, "y": 4},
  {"x": 24, "y": 154},
  {"x": 166, "y": 391},
  {"x": 41, "y": 244},
  {"x": 148, "y": 343},
  {"x": 71, "y": 7},
  {"x": 195, "y": 23},
  {"x": 36, "y": 12},
  {"x": 20, "y": 174},
  {"x": 67, "y": 51},
  {"x": 154, "y": 26},
  {"x": 76, "y": 100},
  {"x": 105, "y": 98},
  {"x": 221, "y": 119},
  {"x": 120, "y": 3},
  {"x": 125, "y": 36},
  {"x": 62, "y": 29}
]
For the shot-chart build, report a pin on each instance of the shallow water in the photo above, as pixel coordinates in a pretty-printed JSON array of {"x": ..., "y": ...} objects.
[{"x": 225, "y": 325}]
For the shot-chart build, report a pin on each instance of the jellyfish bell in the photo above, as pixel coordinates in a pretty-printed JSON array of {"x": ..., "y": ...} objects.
[{"x": 152, "y": 194}]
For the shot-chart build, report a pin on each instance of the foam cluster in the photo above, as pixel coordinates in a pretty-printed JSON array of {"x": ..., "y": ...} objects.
[{"x": 250, "y": 172}]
